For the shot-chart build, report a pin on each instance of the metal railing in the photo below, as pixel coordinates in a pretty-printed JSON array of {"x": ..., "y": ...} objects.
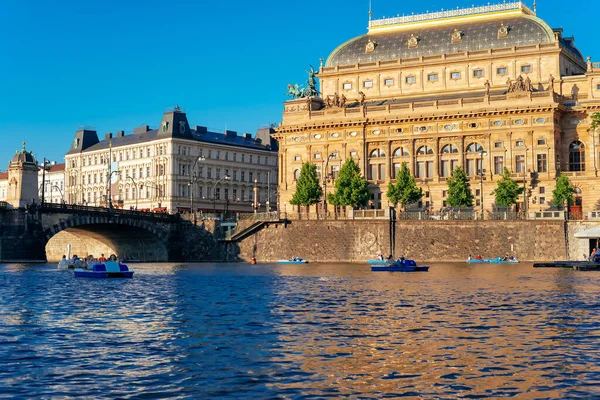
[{"x": 114, "y": 211}]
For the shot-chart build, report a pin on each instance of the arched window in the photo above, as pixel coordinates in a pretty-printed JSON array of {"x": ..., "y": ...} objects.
[
  {"x": 296, "y": 174},
  {"x": 474, "y": 147},
  {"x": 424, "y": 150},
  {"x": 576, "y": 156},
  {"x": 449, "y": 148},
  {"x": 401, "y": 152},
  {"x": 377, "y": 153}
]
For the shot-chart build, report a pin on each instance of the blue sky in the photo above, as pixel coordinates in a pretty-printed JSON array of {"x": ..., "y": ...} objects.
[{"x": 119, "y": 64}]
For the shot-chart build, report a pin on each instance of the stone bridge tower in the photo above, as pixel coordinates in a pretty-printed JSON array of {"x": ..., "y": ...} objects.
[{"x": 22, "y": 179}]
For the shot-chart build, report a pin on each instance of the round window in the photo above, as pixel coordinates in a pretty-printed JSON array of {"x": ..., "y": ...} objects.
[{"x": 519, "y": 122}]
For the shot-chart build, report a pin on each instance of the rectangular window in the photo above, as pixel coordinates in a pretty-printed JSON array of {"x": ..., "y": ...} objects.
[
  {"x": 388, "y": 82},
  {"x": 478, "y": 73},
  {"x": 525, "y": 69},
  {"x": 382, "y": 172},
  {"x": 420, "y": 169},
  {"x": 411, "y": 79},
  {"x": 243, "y": 176},
  {"x": 347, "y": 86},
  {"x": 395, "y": 170},
  {"x": 520, "y": 143},
  {"x": 520, "y": 164},
  {"x": 432, "y": 77},
  {"x": 455, "y": 75},
  {"x": 445, "y": 171},
  {"x": 470, "y": 167},
  {"x": 541, "y": 142},
  {"x": 444, "y": 193},
  {"x": 298, "y": 158},
  {"x": 542, "y": 190},
  {"x": 226, "y": 156},
  {"x": 429, "y": 165},
  {"x": 368, "y": 84},
  {"x": 498, "y": 145},
  {"x": 498, "y": 165},
  {"x": 542, "y": 163},
  {"x": 372, "y": 172},
  {"x": 477, "y": 192},
  {"x": 250, "y": 175},
  {"x": 542, "y": 200},
  {"x": 501, "y": 71},
  {"x": 598, "y": 87}
]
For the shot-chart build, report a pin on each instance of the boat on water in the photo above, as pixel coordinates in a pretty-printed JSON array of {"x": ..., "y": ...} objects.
[
  {"x": 401, "y": 266},
  {"x": 498, "y": 260},
  {"x": 107, "y": 269},
  {"x": 378, "y": 262},
  {"x": 294, "y": 260}
]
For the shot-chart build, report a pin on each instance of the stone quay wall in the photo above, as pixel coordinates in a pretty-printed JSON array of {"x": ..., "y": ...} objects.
[{"x": 359, "y": 240}]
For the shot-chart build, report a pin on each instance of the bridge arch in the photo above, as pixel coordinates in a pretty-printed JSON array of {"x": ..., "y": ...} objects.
[{"x": 129, "y": 238}]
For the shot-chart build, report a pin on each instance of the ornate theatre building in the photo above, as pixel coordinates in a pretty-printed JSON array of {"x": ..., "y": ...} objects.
[{"x": 483, "y": 88}]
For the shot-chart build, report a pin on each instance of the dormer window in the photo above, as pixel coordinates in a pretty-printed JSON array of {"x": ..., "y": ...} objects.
[
  {"x": 503, "y": 31},
  {"x": 413, "y": 42},
  {"x": 456, "y": 36}
]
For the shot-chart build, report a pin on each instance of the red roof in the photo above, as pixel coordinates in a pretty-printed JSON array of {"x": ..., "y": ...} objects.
[
  {"x": 54, "y": 168},
  {"x": 3, "y": 175}
]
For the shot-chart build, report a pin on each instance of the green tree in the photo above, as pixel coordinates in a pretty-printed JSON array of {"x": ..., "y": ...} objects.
[
  {"x": 405, "y": 190},
  {"x": 351, "y": 188},
  {"x": 507, "y": 191},
  {"x": 595, "y": 118},
  {"x": 308, "y": 188},
  {"x": 563, "y": 192},
  {"x": 459, "y": 189}
]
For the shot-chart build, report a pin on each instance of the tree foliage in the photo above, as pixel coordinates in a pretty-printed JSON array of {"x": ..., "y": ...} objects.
[
  {"x": 507, "y": 191},
  {"x": 308, "y": 188},
  {"x": 351, "y": 188},
  {"x": 405, "y": 190},
  {"x": 563, "y": 191},
  {"x": 459, "y": 189},
  {"x": 595, "y": 118}
]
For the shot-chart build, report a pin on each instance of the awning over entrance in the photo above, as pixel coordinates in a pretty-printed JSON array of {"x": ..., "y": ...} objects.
[{"x": 592, "y": 233}]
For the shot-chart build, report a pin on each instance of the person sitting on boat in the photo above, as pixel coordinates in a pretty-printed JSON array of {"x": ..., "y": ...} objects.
[
  {"x": 469, "y": 258},
  {"x": 592, "y": 254},
  {"x": 77, "y": 262},
  {"x": 380, "y": 257},
  {"x": 478, "y": 257},
  {"x": 597, "y": 256},
  {"x": 512, "y": 258},
  {"x": 390, "y": 257},
  {"x": 112, "y": 257},
  {"x": 102, "y": 259}
]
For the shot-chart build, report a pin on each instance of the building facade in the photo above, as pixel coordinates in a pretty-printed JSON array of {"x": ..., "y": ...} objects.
[
  {"x": 52, "y": 183},
  {"x": 173, "y": 168},
  {"x": 483, "y": 88}
]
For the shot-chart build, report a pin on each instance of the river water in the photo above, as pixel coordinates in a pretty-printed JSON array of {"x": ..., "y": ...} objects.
[{"x": 300, "y": 331}]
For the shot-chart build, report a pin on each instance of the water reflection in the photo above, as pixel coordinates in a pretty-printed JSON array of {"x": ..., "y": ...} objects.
[{"x": 325, "y": 330}]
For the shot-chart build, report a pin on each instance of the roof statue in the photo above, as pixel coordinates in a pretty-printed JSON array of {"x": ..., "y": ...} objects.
[
  {"x": 519, "y": 85},
  {"x": 296, "y": 91}
]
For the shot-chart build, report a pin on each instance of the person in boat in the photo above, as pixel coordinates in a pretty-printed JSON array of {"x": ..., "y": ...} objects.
[
  {"x": 597, "y": 256},
  {"x": 380, "y": 257},
  {"x": 390, "y": 257},
  {"x": 102, "y": 259},
  {"x": 478, "y": 257},
  {"x": 77, "y": 262},
  {"x": 592, "y": 254},
  {"x": 469, "y": 258}
]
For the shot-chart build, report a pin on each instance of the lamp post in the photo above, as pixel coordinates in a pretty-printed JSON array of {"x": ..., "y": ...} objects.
[
  {"x": 136, "y": 189},
  {"x": 191, "y": 185},
  {"x": 109, "y": 189},
  {"x": 481, "y": 153},
  {"x": 59, "y": 191},
  {"x": 226, "y": 177},
  {"x": 255, "y": 202},
  {"x": 525, "y": 185},
  {"x": 44, "y": 180},
  {"x": 326, "y": 176}
]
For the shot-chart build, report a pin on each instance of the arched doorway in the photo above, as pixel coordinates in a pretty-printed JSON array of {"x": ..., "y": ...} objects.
[{"x": 575, "y": 210}]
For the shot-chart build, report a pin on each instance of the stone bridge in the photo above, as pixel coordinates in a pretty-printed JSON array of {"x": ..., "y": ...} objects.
[{"x": 43, "y": 233}]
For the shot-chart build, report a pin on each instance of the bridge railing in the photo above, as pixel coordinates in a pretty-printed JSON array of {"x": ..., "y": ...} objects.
[{"x": 104, "y": 210}]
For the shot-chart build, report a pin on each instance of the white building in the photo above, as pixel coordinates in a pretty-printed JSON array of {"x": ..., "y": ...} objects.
[
  {"x": 173, "y": 168},
  {"x": 53, "y": 182}
]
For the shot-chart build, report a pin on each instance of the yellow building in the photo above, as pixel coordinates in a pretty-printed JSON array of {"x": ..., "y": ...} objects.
[{"x": 483, "y": 88}]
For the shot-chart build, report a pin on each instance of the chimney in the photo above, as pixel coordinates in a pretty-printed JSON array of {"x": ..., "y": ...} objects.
[
  {"x": 230, "y": 133},
  {"x": 120, "y": 133},
  {"x": 247, "y": 136},
  {"x": 108, "y": 136},
  {"x": 200, "y": 129},
  {"x": 141, "y": 129}
]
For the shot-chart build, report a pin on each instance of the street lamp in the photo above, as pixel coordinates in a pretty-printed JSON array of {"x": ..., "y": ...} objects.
[
  {"x": 226, "y": 177},
  {"x": 327, "y": 176},
  {"x": 481, "y": 153},
  {"x": 109, "y": 189},
  {"x": 191, "y": 185},
  {"x": 255, "y": 202},
  {"x": 525, "y": 185},
  {"x": 137, "y": 194},
  {"x": 44, "y": 179}
]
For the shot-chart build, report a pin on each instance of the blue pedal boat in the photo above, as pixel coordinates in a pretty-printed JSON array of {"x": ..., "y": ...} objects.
[
  {"x": 498, "y": 260},
  {"x": 295, "y": 260},
  {"x": 401, "y": 266},
  {"x": 108, "y": 269},
  {"x": 378, "y": 262}
]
